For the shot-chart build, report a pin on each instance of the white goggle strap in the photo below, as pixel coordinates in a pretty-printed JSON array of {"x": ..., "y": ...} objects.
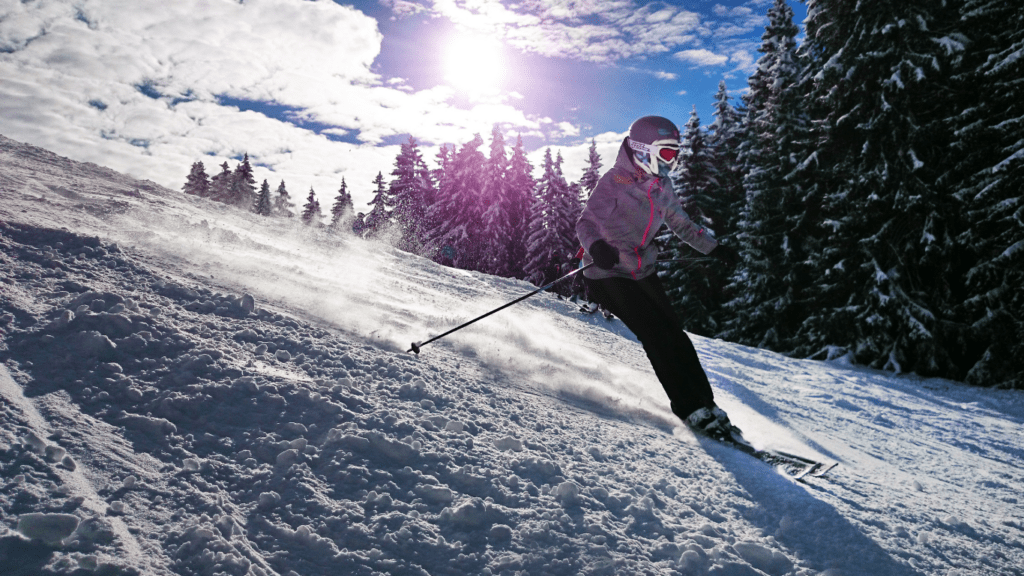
[
  {"x": 639, "y": 146},
  {"x": 644, "y": 148}
]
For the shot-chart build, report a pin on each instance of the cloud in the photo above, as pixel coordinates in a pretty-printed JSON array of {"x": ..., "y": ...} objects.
[
  {"x": 745, "y": 61},
  {"x": 603, "y": 31},
  {"x": 701, "y": 57},
  {"x": 141, "y": 86},
  {"x": 568, "y": 129}
]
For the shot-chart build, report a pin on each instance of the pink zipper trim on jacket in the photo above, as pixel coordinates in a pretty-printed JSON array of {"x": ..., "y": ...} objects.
[{"x": 650, "y": 221}]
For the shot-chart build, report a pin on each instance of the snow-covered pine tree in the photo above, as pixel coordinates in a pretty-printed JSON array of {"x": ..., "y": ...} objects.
[
  {"x": 359, "y": 224},
  {"x": 571, "y": 202},
  {"x": 282, "y": 202},
  {"x": 695, "y": 289},
  {"x": 551, "y": 226},
  {"x": 242, "y": 191},
  {"x": 220, "y": 184},
  {"x": 724, "y": 137},
  {"x": 457, "y": 237},
  {"x": 411, "y": 191},
  {"x": 988, "y": 169},
  {"x": 495, "y": 218},
  {"x": 889, "y": 267},
  {"x": 519, "y": 193},
  {"x": 312, "y": 215},
  {"x": 197, "y": 183},
  {"x": 262, "y": 205},
  {"x": 342, "y": 210},
  {"x": 593, "y": 171},
  {"x": 379, "y": 217},
  {"x": 768, "y": 309}
]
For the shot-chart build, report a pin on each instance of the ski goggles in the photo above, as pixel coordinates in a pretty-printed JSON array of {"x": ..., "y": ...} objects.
[{"x": 666, "y": 150}]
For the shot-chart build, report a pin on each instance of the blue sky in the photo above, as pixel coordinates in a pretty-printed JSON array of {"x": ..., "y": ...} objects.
[{"x": 315, "y": 90}]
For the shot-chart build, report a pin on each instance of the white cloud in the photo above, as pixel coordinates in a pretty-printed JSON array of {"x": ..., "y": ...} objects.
[
  {"x": 745, "y": 61},
  {"x": 567, "y": 129},
  {"x": 136, "y": 85},
  {"x": 702, "y": 57},
  {"x": 591, "y": 30}
]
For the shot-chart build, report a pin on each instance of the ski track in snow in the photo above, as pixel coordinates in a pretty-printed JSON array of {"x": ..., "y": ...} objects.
[{"x": 191, "y": 435}]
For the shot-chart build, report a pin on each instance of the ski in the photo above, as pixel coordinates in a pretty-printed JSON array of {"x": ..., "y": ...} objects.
[{"x": 797, "y": 467}]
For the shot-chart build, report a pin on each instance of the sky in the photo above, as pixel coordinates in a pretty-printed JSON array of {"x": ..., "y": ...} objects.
[{"x": 315, "y": 91}]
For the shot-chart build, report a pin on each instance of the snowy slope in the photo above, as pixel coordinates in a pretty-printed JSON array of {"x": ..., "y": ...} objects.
[{"x": 191, "y": 430}]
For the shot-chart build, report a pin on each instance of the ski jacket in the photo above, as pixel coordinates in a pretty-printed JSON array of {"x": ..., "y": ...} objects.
[{"x": 626, "y": 209}]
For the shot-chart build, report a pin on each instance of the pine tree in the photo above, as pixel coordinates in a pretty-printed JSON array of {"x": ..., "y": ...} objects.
[
  {"x": 986, "y": 176},
  {"x": 312, "y": 215},
  {"x": 519, "y": 194},
  {"x": 282, "y": 202},
  {"x": 262, "y": 204},
  {"x": 197, "y": 183},
  {"x": 571, "y": 202},
  {"x": 411, "y": 191},
  {"x": 552, "y": 238},
  {"x": 769, "y": 310},
  {"x": 724, "y": 137},
  {"x": 456, "y": 237},
  {"x": 496, "y": 222},
  {"x": 888, "y": 270},
  {"x": 593, "y": 172},
  {"x": 342, "y": 210},
  {"x": 220, "y": 184},
  {"x": 242, "y": 188},
  {"x": 359, "y": 224},
  {"x": 695, "y": 289},
  {"x": 380, "y": 214}
]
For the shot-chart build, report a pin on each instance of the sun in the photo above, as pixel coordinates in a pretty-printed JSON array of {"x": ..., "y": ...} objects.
[{"x": 474, "y": 64}]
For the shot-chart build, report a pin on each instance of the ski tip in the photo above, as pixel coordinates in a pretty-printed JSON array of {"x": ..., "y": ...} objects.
[
  {"x": 809, "y": 470},
  {"x": 824, "y": 469}
]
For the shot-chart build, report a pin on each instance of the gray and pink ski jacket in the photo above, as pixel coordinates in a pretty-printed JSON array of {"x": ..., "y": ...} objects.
[{"x": 626, "y": 209}]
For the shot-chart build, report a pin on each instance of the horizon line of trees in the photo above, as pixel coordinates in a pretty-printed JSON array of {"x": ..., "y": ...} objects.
[
  {"x": 473, "y": 211},
  {"x": 238, "y": 188},
  {"x": 870, "y": 179}
]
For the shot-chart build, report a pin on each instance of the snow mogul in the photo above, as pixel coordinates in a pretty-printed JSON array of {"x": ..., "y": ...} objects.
[{"x": 630, "y": 203}]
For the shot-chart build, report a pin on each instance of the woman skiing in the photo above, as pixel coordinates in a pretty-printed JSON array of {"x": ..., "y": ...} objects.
[{"x": 630, "y": 203}]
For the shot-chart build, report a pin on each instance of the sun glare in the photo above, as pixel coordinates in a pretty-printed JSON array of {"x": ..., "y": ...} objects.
[{"x": 474, "y": 64}]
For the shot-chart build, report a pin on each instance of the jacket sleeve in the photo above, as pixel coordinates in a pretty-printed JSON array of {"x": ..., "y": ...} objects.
[
  {"x": 590, "y": 226},
  {"x": 687, "y": 230}
]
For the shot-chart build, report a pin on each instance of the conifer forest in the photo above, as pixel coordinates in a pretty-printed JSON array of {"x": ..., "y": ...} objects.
[{"x": 870, "y": 178}]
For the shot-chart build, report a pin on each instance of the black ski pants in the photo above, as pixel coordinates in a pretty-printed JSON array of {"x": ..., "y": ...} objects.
[{"x": 644, "y": 308}]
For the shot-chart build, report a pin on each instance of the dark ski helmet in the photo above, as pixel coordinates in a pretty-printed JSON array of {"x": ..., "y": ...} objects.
[{"x": 655, "y": 144}]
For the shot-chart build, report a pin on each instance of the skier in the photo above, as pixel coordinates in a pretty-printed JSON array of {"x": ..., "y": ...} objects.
[{"x": 631, "y": 201}]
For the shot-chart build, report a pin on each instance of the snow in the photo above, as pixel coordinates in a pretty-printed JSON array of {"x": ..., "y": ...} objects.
[{"x": 189, "y": 429}]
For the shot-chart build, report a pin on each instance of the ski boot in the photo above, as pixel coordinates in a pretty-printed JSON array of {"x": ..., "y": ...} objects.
[{"x": 714, "y": 423}]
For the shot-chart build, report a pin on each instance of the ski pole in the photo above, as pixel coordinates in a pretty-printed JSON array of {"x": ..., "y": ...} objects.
[
  {"x": 704, "y": 259},
  {"x": 416, "y": 347}
]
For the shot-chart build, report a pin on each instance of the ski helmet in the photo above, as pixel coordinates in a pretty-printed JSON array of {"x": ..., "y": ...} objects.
[{"x": 655, "y": 144}]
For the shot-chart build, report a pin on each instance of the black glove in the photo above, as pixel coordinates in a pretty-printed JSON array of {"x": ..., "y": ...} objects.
[
  {"x": 726, "y": 255},
  {"x": 604, "y": 254}
]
